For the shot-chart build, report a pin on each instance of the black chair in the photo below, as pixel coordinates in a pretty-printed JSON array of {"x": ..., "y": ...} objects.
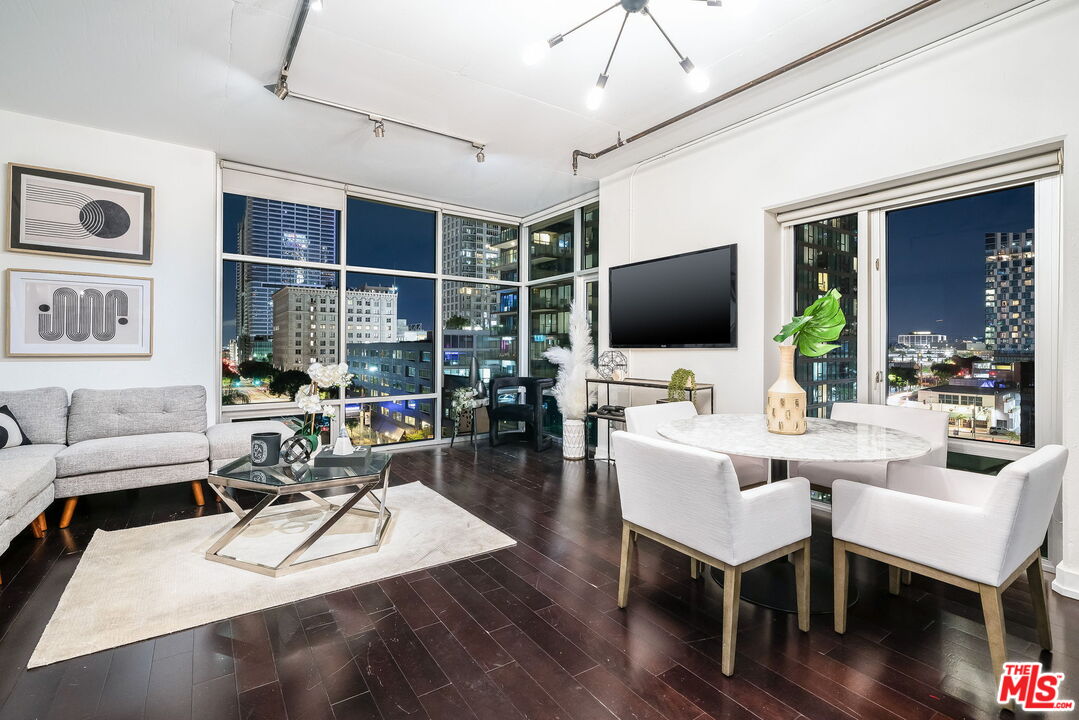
[{"x": 530, "y": 412}]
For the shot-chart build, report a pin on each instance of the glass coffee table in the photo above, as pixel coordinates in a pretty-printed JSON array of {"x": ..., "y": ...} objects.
[{"x": 355, "y": 530}]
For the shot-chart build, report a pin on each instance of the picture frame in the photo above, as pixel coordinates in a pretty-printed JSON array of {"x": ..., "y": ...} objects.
[
  {"x": 56, "y": 313},
  {"x": 55, "y": 212}
]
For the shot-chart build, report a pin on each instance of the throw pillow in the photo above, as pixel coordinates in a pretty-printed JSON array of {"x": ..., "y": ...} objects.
[{"x": 11, "y": 434}]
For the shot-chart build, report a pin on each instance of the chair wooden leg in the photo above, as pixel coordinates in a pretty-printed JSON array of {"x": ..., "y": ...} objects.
[
  {"x": 1037, "y": 598},
  {"x": 801, "y": 582},
  {"x": 893, "y": 580},
  {"x": 839, "y": 585},
  {"x": 905, "y": 577},
  {"x": 623, "y": 570},
  {"x": 196, "y": 489},
  {"x": 993, "y": 609},
  {"x": 69, "y": 511},
  {"x": 732, "y": 588}
]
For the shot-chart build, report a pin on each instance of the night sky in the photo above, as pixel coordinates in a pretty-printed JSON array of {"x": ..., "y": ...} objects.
[
  {"x": 380, "y": 235},
  {"x": 936, "y": 260}
]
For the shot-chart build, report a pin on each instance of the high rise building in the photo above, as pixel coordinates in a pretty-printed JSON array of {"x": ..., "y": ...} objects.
[
  {"x": 286, "y": 231},
  {"x": 826, "y": 257},
  {"x": 305, "y": 322},
  {"x": 470, "y": 250},
  {"x": 1009, "y": 294}
]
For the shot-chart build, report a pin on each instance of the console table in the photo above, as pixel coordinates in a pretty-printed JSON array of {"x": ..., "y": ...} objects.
[{"x": 693, "y": 390}]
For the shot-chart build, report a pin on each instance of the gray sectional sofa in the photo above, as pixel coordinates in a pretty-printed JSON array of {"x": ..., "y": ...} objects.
[{"x": 107, "y": 440}]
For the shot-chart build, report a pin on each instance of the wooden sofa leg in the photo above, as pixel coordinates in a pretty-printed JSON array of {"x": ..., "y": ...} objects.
[
  {"x": 35, "y": 528},
  {"x": 42, "y": 522},
  {"x": 69, "y": 511},
  {"x": 196, "y": 489}
]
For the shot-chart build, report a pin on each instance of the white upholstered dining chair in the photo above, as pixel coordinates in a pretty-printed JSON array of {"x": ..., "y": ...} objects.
[
  {"x": 645, "y": 419},
  {"x": 928, "y": 424},
  {"x": 689, "y": 499},
  {"x": 977, "y": 532}
]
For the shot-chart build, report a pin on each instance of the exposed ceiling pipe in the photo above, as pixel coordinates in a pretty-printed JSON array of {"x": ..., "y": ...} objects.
[
  {"x": 846, "y": 40},
  {"x": 281, "y": 90}
]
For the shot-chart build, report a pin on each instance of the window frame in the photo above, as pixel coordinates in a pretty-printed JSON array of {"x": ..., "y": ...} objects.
[{"x": 236, "y": 178}]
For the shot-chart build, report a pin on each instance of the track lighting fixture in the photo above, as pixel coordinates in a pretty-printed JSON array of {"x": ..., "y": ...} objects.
[
  {"x": 695, "y": 78},
  {"x": 480, "y": 156},
  {"x": 380, "y": 128}
]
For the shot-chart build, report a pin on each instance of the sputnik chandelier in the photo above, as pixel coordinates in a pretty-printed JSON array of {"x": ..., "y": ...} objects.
[{"x": 696, "y": 79}]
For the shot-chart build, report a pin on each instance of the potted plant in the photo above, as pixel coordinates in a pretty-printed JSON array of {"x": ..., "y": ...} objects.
[
  {"x": 812, "y": 333},
  {"x": 680, "y": 380},
  {"x": 570, "y": 391}
]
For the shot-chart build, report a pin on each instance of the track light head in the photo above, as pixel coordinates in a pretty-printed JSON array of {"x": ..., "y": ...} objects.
[
  {"x": 280, "y": 89},
  {"x": 380, "y": 128},
  {"x": 480, "y": 156}
]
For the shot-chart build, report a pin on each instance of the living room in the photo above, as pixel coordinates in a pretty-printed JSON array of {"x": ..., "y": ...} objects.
[{"x": 657, "y": 359}]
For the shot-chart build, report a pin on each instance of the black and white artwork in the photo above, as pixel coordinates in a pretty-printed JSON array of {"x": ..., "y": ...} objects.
[
  {"x": 72, "y": 314},
  {"x": 63, "y": 213}
]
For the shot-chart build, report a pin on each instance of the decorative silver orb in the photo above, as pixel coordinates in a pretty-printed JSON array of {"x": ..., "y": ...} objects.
[
  {"x": 297, "y": 449},
  {"x": 612, "y": 363}
]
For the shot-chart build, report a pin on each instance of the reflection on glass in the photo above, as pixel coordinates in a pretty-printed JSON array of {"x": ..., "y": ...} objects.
[
  {"x": 280, "y": 230},
  {"x": 389, "y": 422},
  {"x": 275, "y": 321},
  {"x": 390, "y": 236},
  {"x": 590, "y": 237},
  {"x": 826, "y": 257},
  {"x": 549, "y": 326},
  {"x": 551, "y": 247},
  {"x": 479, "y": 322},
  {"x": 479, "y": 249},
  {"x": 961, "y": 313},
  {"x": 389, "y": 344}
]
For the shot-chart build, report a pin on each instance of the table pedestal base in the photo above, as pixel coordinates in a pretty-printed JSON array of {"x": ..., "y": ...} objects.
[{"x": 772, "y": 586}]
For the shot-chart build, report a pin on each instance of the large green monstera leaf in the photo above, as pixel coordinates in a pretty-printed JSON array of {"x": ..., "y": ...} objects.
[{"x": 816, "y": 328}]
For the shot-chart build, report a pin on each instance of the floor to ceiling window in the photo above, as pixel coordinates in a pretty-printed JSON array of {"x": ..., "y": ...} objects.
[
  {"x": 826, "y": 257},
  {"x": 417, "y": 300}
]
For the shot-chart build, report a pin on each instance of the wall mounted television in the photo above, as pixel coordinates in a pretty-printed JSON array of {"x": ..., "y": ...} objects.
[{"x": 680, "y": 301}]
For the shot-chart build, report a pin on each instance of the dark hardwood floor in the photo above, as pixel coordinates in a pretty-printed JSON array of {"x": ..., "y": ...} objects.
[{"x": 528, "y": 632}]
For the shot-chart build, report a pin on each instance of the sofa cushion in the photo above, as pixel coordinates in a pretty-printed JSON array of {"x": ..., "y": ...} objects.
[
  {"x": 25, "y": 471},
  {"x": 133, "y": 451},
  {"x": 42, "y": 413},
  {"x": 135, "y": 411},
  {"x": 229, "y": 441}
]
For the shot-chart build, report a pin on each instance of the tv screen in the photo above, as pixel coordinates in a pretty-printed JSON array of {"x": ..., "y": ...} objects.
[{"x": 687, "y": 300}]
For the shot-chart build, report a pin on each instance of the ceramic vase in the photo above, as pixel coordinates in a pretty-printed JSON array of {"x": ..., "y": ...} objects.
[
  {"x": 573, "y": 440},
  {"x": 786, "y": 409}
]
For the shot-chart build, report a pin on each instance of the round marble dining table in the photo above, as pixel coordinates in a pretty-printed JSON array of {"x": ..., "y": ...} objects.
[{"x": 772, "y": 584}]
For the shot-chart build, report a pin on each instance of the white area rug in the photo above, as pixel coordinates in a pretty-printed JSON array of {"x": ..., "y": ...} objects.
[{"x": 136, "y": 584}]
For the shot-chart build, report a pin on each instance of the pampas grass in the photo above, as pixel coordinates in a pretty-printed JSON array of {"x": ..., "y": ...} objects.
[{"x": 574, "y": 364}]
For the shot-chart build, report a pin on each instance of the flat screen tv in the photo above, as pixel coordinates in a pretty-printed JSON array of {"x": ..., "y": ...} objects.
[{"x": 681, "y": 301}]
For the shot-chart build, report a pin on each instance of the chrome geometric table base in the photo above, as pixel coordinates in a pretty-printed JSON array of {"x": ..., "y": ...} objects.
[{"x": 293, "y": 562}]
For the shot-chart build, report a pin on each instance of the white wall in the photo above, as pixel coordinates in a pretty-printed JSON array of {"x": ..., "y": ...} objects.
[
  {"x": 1007, "y": 86},
  {"x": 184, "y": 267}
]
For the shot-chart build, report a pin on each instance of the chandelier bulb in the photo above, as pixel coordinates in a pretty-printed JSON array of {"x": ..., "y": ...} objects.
[
  {"x": 315, "y": 5},
  {"x": 595, "y": 95}
]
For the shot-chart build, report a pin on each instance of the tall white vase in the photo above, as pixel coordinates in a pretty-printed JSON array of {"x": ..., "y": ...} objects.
[{"x": 573, "y": 440}]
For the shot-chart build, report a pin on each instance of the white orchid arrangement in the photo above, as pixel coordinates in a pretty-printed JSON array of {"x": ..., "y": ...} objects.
[
  {"x": 322, "y": 377},
  {"x": 574, "y": 364}
]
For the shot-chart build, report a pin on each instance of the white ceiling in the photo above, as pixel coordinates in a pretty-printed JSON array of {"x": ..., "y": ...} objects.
[{"x": 193, "y": 71}]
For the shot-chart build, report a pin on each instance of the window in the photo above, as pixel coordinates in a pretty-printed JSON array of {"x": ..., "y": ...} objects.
[
  {"x": 826, "y": 257},
  {"x": 590, "y": 236},
  {"x": 480, "y": 322},
  {"x": 551, "y": 247},
  {"x": 479, "y": 249},
  {"x": 390, "y": 236},
  {"x": 960, "y": 298},
  {"x": 549, "y": 305},
  {"x": 341, "y": 278}
]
